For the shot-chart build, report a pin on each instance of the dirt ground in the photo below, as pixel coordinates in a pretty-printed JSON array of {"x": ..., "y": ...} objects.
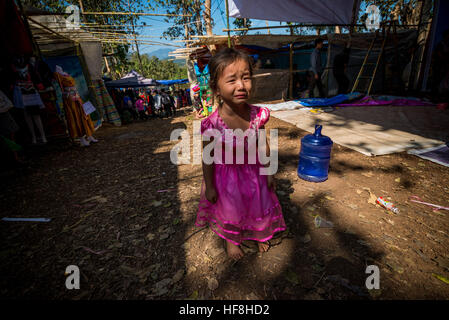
[{"x": 131, "y": 241}]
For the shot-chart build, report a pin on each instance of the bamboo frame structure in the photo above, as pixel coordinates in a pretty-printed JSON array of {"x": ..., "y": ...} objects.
[{"x": 227, "y": 23}]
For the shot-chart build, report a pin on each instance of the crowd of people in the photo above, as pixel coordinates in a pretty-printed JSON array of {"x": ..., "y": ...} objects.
[{"x": 144, "y": 104}]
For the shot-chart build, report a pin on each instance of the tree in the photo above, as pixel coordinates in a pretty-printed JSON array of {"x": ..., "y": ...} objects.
[
  {"x": 405, "y": 12},
  {"x": 154, "y": 68},
  {"x": 242, "y": 23},
  {"x": 183, "y": 26},
  {"x": 120, "y": 50}
]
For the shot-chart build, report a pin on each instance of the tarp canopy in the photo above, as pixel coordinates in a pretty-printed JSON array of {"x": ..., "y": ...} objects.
[
  {"x": 300, "y": 11},
  {"x": 171, "y": 82},
  {"x": 131, "y": 80}
]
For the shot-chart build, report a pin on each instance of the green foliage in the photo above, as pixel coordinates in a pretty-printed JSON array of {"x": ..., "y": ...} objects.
[
  {"x": 242, "y": 23},
  {"x": 155, "y": 68},
  {"x": 183, "y": 25},
  {"x": 408, "y": 11},
  {"x": 119, "y": 64}
]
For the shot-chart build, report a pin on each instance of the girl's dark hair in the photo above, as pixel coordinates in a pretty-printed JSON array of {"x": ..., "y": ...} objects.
[{"x": 221, "y": 60}]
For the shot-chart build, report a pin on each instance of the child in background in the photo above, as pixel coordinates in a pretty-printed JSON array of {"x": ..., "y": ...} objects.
[
  {"x": 237, "y": 202},
  {"x": 141, "y": 109},
  {"x": 197, "y": 106}
]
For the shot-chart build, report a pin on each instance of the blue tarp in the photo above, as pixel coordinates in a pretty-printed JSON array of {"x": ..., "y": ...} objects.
[
  {"x": 170, "y": 82},
  {"x": 317, "y": 102}
]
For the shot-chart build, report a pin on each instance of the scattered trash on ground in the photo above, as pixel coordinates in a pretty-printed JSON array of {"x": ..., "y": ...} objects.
[
  {"x": 419, "y": 200},
  {"x": 445, "y": 280},
  {"x": 322, "y": 223},
  {"x": 387, "y": 205},
  {"x": 28, "y": 219}
]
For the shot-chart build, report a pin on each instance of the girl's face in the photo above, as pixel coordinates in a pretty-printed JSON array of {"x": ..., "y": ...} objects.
[{"x": 234, "y": 85}]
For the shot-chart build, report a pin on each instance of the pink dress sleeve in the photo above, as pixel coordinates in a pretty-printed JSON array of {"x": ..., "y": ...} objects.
[
  {"x": 206, "y": 124},
  {"x": 263, "y": 115}
]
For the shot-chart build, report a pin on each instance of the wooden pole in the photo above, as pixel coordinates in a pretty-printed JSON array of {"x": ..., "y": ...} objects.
[
  {"x": 208, "y": 21},
  {"x": 227, "y": 23},
  {"x": 136, "y": 14},
  {"x": 135, "y": 41},
  {"x": 293, "y": 25},
  {"x": 354, "y": 17},
  {"x": 81, "y": 6},
  {"x": 291, "y": 70}
]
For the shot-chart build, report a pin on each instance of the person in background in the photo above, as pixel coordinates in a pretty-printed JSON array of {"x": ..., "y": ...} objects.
[
  {"x": 189, "y": 99},
  {"x": 316, "y": 69},
  {"x": 141, "y": 108},
  {"x": 129, "y": 106},
  {"x": 183, "y": 98},
  {"x": 172, "y": 104},
  {"x": 150, "y": 103},
  {"x": 179, "y": 99},
  {"x": 157, "y": 104},
  {"x": 166, "y": 104},
  {"x": 197, "y": 106}
]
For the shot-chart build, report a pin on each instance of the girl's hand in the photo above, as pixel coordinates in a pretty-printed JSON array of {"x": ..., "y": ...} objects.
[
  {"x": 271, "y": 183},
  {"x": 211, "y": 194}
]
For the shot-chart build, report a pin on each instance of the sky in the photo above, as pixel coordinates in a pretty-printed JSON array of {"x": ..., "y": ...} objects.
[{"x": 158, "y": 26}]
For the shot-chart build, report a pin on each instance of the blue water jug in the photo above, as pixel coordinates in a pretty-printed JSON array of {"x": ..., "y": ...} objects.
[{"x": 314, "y": 156}]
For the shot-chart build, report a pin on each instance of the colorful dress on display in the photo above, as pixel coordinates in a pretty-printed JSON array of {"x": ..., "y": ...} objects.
[
  {"x": 78, "y": 123},
  {"x": 246, "y": 209},
  {"x": 106, "y": 103},
  {"x": 25, "y": 94}
]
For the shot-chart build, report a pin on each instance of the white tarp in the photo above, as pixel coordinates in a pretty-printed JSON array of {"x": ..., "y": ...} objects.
[
  {"x": 376, "y": 130},
  {"x": 300, "y": 11}
]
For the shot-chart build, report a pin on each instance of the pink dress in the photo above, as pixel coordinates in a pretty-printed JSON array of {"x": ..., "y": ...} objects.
[{"x": 246, "y": 209}]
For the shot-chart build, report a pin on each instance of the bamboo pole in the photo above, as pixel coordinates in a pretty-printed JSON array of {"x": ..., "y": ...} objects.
[
  {"x": 227, "y": 24},
  {"x": 291, "y": 70},
  {"x": 137, "y": 14},
  {"x": 50, "y": 30},
  {"x": 293, "y": 25},
  {"x": 140, "y": 41},
  {"x": 354, "y": 17}
]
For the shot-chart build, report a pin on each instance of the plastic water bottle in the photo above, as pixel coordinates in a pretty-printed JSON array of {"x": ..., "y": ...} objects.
[
  {"x": 387, "y": 205},
  {"x": 315, "y": 156}
]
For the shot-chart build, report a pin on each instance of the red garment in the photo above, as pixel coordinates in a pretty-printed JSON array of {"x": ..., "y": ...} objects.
[{"x": 13, "y": 36}]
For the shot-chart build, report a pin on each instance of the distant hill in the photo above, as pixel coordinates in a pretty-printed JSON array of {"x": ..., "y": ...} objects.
[{"x": 162, "y": 54}]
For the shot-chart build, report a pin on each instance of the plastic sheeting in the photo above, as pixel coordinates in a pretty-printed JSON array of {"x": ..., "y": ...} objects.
[
  {"x": 171, "y": 82},
  {"x": 131, "y": 80},
  {"x": 269, "y": 85},
  {"x": 438, "y": 154},
  {"x": 93, "y": 55},
  {"x": 301, "y": 11},
  {"x": 376, "y": 130},
  {"x": 387, "y": 101},
  {"x": 385, "y": 77}
]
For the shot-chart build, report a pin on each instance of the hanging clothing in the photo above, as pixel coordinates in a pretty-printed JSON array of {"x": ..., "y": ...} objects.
[
  {"x": 106, "y": 103},
  {"x": 25, "y": 95},
  {"x": 8, "y": 125},
  {"x": 14, "y": 38},
  {"x": 78, "y": 123}
]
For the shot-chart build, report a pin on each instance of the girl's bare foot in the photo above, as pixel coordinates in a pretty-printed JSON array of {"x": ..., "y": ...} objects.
[
  {"x": 263, "y": 246},
  {"x": 234, "y": 252}
]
